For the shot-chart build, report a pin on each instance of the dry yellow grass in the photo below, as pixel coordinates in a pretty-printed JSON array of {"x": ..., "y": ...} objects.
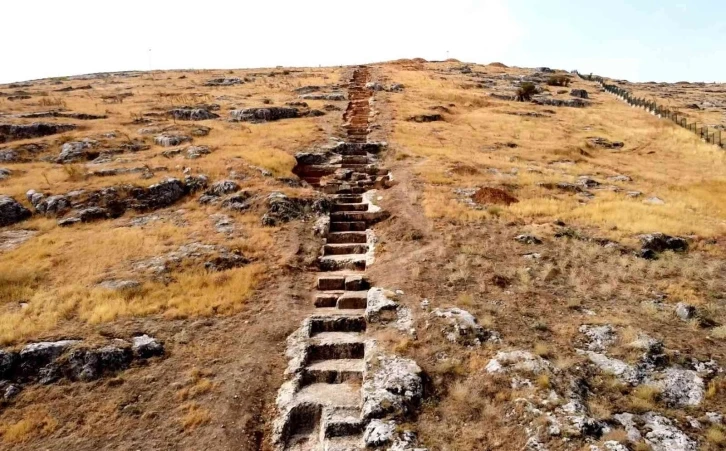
[
  {"x": 56, "y": 284},
  {"x": 662, "y": 159},
  {"x": 36, "y": 422}
]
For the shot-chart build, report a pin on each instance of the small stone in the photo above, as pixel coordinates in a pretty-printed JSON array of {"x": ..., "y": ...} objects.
[
  {"x": 11, "y": 391},
  {"x": 685, "y": 312},
  {"x": 654, "y": 201},
  {"x": 528, "y": 239}
]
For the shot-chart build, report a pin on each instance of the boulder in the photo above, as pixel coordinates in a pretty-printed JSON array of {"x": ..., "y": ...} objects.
[
  {"x": 159, "y": 195},
  {"x": 145, "y": 347},
  {"x": 90, "y": 364},
  {"x": 660, "y": 242},
  {"x": 91, "y": 214},
  {"x": 222, "y": 188},
  {"x": 76, "y": 151},
  {"x": 194, "y": 183},
  {"x": 194, "y": 152},
  {"x": 38, "y": 360},
  {"x": 263, "y": 114},
  {"x": 11, "y": 211},
  {"x": 580, "y": 93},
  {"x": 587, "y": 182},
  {"x": 192, "y": 114},
  {"x": 5, "y": 173},
  {"x": 461, "y": 327},
  {"x": 55, "y": 205},
  {"x": 171, "y": 140},
  {"x": 238, "y": 202},
  {"x": 8, "y": 361}
]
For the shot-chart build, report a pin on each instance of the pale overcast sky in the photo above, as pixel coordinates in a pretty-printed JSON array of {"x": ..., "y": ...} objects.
[{"x": 640, "y": 40}]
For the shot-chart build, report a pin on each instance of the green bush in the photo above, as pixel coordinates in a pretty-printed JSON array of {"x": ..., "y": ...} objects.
[{"x": 525, "y": 92}]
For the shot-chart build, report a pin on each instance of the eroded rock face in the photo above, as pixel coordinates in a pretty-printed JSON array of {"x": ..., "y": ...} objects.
[
  {"x": 11, "y": 211},
  {"x": 281, "y": 208},
  {"x": 12, "y": 132},
  {"x": 263, "y": 114},
  {"x": 224, "y": 81},
  {"x": 47, "y": 362},
  {"x": 392, "y": 388},
  {"x": 461, "y": 327}
]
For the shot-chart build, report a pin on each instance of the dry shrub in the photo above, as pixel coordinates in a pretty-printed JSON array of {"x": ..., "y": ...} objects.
[{"x": 194, "y": 416}]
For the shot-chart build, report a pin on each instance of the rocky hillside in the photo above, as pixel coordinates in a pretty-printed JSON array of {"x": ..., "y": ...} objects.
[{"x": 409, "y": 255}]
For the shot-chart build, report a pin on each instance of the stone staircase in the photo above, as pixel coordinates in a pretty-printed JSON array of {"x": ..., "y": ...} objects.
[{"x": 320, "y": 404}]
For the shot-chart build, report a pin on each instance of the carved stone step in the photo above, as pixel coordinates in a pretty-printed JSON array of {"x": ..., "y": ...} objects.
[
  {"x": 323, "y": 324},
  {"x": 347, "y": 226},
  {"x": 346, "y": 248},
  {"x": 350, "y": 207},
  {"x": 355, "y": 262}
]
